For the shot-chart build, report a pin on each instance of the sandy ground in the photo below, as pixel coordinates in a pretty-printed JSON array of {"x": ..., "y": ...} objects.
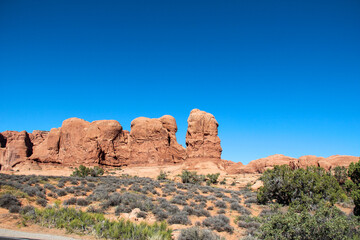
[{"x": 173, "y": 171}]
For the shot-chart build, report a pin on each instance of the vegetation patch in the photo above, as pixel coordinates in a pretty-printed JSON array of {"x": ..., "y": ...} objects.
[{"x": 75, "y": 221}]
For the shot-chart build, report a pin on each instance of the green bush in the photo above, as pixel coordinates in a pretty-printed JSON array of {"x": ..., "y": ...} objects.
[
  {"x": 353, "y": 185},
  {"x": 191, "y": 177},
  {"x": 83, "y": 171},
  {"x": 327, "y": 223},
  {"x": 340, "y": 173},
  {"x": 162, "y": 175},
  {"x": 80, "y": 222},
  {"x": 213, "y": 178},
  {"x": 306, "y": 187}
]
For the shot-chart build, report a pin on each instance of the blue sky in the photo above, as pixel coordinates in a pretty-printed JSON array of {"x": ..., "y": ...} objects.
[{"x": 279, "y": 76}]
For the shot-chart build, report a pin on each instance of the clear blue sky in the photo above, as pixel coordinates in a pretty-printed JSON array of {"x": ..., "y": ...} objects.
[{"x": 279, "y": 76}]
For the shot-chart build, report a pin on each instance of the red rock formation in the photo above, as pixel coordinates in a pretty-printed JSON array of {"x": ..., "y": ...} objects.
[
  {"x": 260, "y": 165},
  {"x": 15, "y": 148},
  {"x": 37, "y": 137},
  {"x": 153, "y": 141},
  {"x": 150, "y": 142},
  {"x": 80, "y": 142},
  {"x": 202, "y": 139}
]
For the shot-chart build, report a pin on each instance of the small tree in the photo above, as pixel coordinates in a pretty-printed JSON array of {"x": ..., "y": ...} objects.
[
  {"x": 213, "y": 178},
  {"x": 353, "y": 185},
  {"x": 191, "y": 177},
  {"x": 340, "y": 173},
  {"x": 162, "y": 175},
  {"x": 83, "y": 171}
]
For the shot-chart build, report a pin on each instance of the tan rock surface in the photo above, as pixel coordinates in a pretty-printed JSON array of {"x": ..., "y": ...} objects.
[
  {"x": 37, "y": 137},
  {"x": 80, "y": 142},
  {"x": 202, "y": 139},
  {"x": 153, "y": 141}
]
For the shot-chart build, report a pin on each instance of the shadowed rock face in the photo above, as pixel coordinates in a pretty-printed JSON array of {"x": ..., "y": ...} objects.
[{"x": 15, "y": 148}]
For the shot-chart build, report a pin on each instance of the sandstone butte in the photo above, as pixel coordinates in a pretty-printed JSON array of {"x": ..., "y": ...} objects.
[{"x": 150, "y": 142}]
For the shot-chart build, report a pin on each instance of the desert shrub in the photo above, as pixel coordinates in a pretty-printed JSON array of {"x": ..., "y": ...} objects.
[
  {"x": 141, "y": 214},
  {"x": 219, "y": 195},
  {"x": 82, "y": 202},
  {"x": 42, "y": 202},
  {"x": 221, "y": 211},
  {"x": 83, "y": 171},
  {"x": 94, "y": 223},
  {"x": 70, "y": 201},
  {"x": 15, "y": 209},
  {"x": 251, "y": 200},
  {"x": 210, "y": 208},
  {"x": 328, "y": 222},
  {"x": 196, "y": 233},
  {"x": 53, "y": 195},
  {"x": 50, "y": 187},
  {"x": 135, "y": 188},
  {"x": 31, "y": 191},
  {"x": 171, "y": 208},
  {"x": 69, "y": 189},
  {"x": 91, "y": 185},
  {"x": 122, "y": 209},
  {"x": 100, "y": 193},
  {"x": 114, "y": 200},
  {"x": 213, "y": 178},
  {"x": 61, "y": 192},
  {"x": 179, "y": 199},
  {"x": 179, "y": 218},
  {"x": 160, "y": 214},
  {"x": 74, "y": 182},
  {"x": 191, "y": 177},
  {"x": 223, "y": 182},
  {"x": 220, "y": 204},
  {"x": 240, "y": 209},
  {"x": 162, "y": 175},
  {"x": 303, "y": 186},
  {"x": 219, "y": 223},
  {"x": 61, "y": 184},
  {"x": 92, "y": 209},
  {"x": 130, "y": 200},
  {"x": 27, "y": 210},
  {"x": 8, "y": 200}
]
